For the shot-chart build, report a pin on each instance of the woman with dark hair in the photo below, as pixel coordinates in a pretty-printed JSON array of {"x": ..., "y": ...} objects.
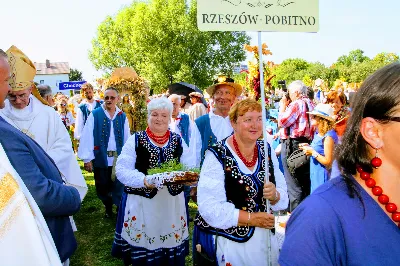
[{"x": 353, "y": 219}]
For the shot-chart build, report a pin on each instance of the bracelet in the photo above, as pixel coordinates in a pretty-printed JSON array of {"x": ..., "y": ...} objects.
[{"x": 248, "y": 219}]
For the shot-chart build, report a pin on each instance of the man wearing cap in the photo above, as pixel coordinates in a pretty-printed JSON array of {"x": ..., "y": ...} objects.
[
  {"x": 27, "y": 111},
  {"x": 216, "y": 126},
  {"x": 198, "y": 108},
  {"x": 36, "y": 168},
  {"x": 87, "y": 106},
  {"x": 103, "y": 136},
  {"x": 295, "y": 129}
]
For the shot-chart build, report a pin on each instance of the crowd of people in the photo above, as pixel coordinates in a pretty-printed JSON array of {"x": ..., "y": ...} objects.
[{"x": 330, "y": 166}]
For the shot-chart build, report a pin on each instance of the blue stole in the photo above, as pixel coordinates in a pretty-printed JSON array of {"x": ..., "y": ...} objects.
[
  {"x": 101, "y": 134},
  {"x": 183, "y": 126},
  {"x": 85, "y": 110},
  {"x": 207, "y": 136}
]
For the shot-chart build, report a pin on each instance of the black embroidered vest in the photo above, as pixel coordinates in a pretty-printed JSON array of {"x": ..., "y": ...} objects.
[
  {"x": 244, "y": 191},
  {"x": 150, "y": 156}
]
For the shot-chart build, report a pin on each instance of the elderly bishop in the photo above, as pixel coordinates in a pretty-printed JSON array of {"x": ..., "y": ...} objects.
[{"x": 27, "y": 111}]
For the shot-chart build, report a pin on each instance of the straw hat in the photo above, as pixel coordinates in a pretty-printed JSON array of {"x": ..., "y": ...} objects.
[
  {"x": 22, "y": 72},
  {"x": 324, "y": 111},
  {"x": 196, "y": 94},
  {"x": 225, "y": 80}
]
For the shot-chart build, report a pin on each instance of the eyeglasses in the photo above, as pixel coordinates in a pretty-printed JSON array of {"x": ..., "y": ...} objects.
[
  {"x": 63, "y": 104},
  {"x": 21, "y": 97},
  {"x": 110, "y": 98}
]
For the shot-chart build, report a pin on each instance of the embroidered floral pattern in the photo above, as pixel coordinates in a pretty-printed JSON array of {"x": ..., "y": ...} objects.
[
  {"x": 177, "y": 233},
  {"x": 136, "y": 231}
]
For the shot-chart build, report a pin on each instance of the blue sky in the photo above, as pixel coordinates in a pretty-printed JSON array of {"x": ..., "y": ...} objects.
[{"x": 62, "y": 30}]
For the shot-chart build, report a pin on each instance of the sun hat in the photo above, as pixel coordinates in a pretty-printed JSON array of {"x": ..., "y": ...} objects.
[
  {"x": 324, "y": 111},
  {"x": 196, "y": 94},
  {"x": 222, "y": 79}
]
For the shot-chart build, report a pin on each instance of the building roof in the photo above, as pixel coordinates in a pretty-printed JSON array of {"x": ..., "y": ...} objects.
[{"x": 55, "y": 68}]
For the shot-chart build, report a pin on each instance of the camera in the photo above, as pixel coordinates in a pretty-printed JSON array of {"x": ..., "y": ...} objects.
[{"x": 282, "y": 85}]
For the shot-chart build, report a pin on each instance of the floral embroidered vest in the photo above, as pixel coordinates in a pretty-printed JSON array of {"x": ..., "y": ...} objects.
[
  {"x": 245, "y": 191},
  {"x": 150, "y": 156}
]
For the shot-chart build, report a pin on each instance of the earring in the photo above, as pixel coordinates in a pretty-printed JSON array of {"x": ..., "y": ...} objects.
[{"x": 376, "y": 162}]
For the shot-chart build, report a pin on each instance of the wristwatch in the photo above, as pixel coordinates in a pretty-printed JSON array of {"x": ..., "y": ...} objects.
[{"x": 315, "y": 154}]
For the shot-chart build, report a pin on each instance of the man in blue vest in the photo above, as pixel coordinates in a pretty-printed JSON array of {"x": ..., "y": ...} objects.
[
  {"x": 182, "y": 125},
  {"x": 103, "y": 136},
  {"x": 85, "y": 108},
  {"x": 215, "y": 126},
  {"x": 40, "y": 174}
]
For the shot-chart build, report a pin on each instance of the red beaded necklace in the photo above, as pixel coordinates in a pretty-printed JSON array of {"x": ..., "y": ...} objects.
[
  {"x": 378, "y": 191},
  {"x": 247, "y": 163},
  {"x": 158, "y": 139}
]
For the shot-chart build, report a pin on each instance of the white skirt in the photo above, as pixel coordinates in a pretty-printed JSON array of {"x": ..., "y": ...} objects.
[
  {"x": 155, "y": 223},
  {"x": 252, "y": 252}
]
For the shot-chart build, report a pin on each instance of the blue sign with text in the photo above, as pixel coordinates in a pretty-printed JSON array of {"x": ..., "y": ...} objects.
[{"x": 71, "y": 85}]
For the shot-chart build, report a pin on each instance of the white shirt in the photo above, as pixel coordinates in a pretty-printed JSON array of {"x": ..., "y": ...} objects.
[
  {"x": 173, "y": 126},
  {"x": 79, "y": 123},
  {"x": 68, "y": 118},
  {"x": 211, "y": 193},
  {"x": 197, "y": 110},
  {"x": 86, "y": 147},
  {"x": 220, "y": 126}
]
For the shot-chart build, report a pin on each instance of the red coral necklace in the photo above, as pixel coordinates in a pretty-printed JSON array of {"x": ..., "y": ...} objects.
[
  {"x": 158, "y": 139},
  {"x": 378, "y": 191},
  {"x": 250, "y": 163}
]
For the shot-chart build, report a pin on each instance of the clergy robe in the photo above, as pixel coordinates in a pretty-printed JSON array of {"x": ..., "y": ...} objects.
[
  {"x": 43, "y": 124},
  {"x": 22, "y": 223},
  {"x": 43, "y": 180}
]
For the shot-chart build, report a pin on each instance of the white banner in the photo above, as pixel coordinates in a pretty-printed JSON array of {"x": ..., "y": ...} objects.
[{"x": 248, "y": 15}]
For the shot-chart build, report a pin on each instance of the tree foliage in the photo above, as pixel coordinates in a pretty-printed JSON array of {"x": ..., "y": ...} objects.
[
  {"x": 354, "y": 67},
  {"x": 75, "y": 75},
  {"x": 161, "y": 41}
]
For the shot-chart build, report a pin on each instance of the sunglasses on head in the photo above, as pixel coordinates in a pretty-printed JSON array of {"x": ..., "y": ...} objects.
[{"x": 109, "y": 98}]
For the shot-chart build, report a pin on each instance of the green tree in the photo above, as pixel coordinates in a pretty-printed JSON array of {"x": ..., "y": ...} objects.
[
  {"x": 355, "y": 56},
  {"x": 386, "y": 58},
  {"x": 160, "y": 39},
  {"x": 290, "y": 70},
  {"x": 75, "y": 75}
]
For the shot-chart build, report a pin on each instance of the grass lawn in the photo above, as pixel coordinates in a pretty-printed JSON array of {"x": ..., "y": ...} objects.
[{"x": 95, "y": 234}]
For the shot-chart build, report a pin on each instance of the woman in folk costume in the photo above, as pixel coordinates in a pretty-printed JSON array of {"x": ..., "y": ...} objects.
[
  {"x": 25, "y": 238},
  {"x": 198, "y": 108},
  {"x": 232, "y": 194},
  {"x": 152, "y": 227}
]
